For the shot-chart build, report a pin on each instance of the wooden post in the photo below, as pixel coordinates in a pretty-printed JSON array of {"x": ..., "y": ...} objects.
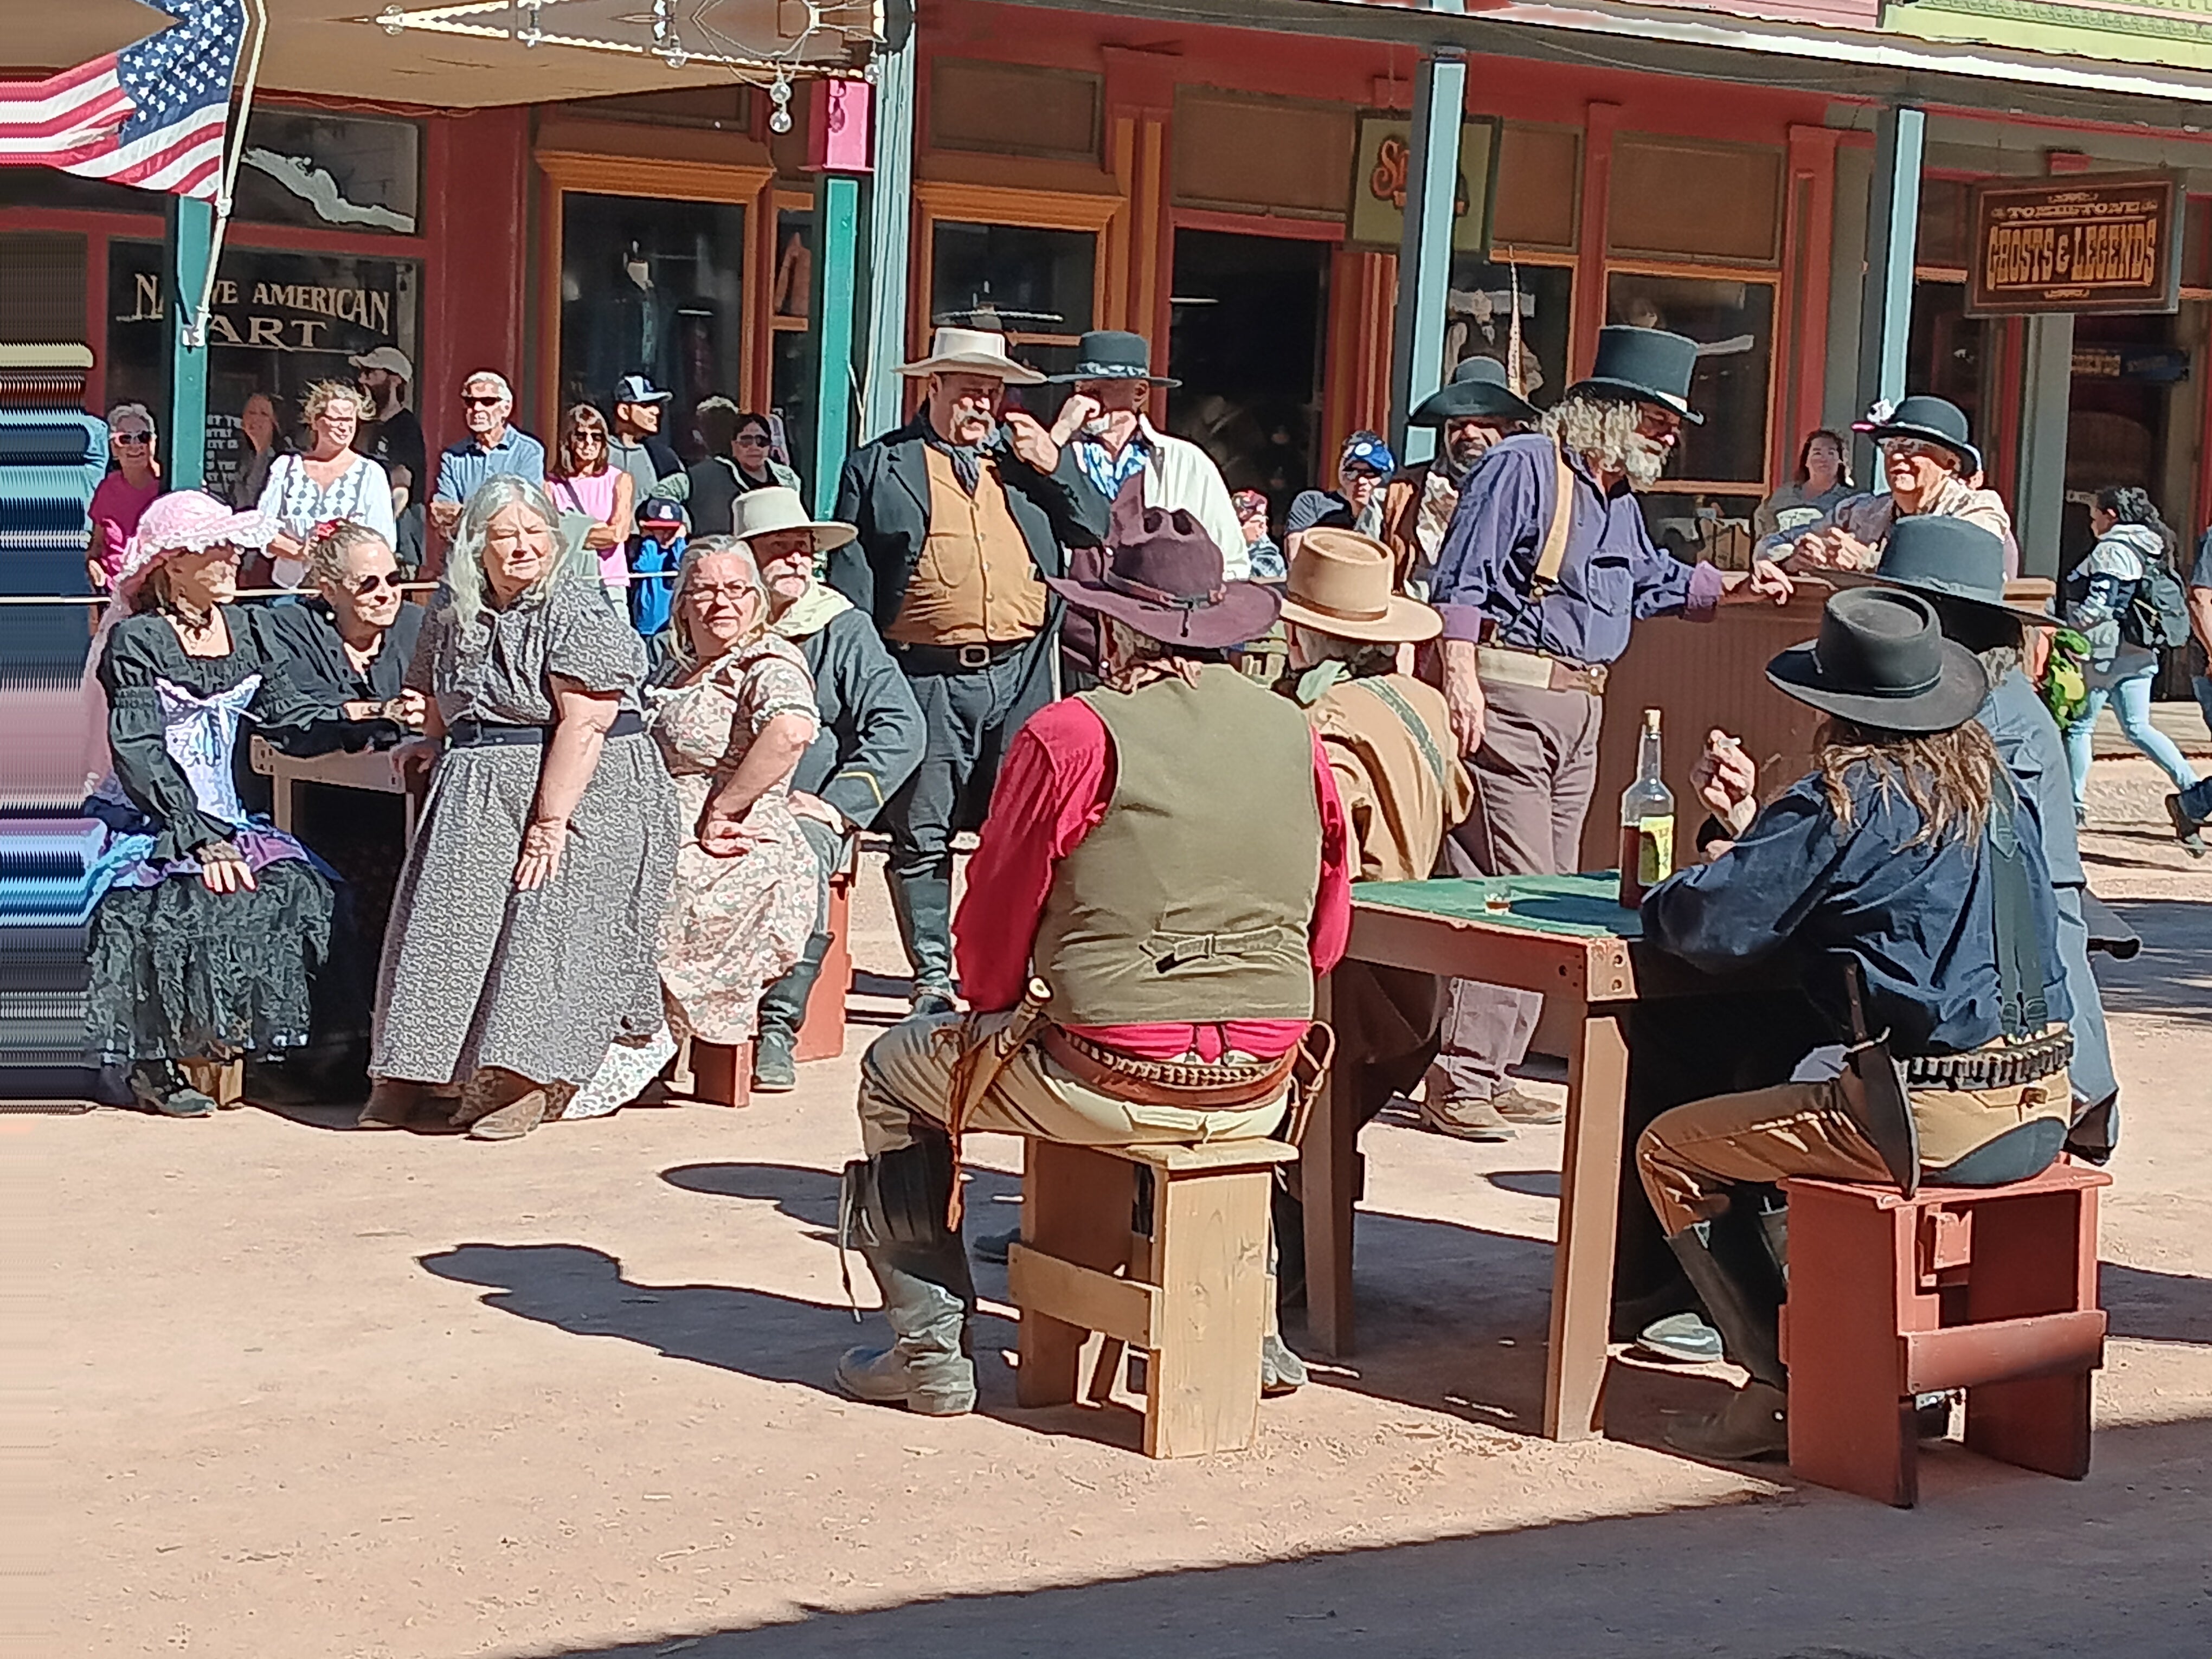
[{"x": 889, "y": 221}]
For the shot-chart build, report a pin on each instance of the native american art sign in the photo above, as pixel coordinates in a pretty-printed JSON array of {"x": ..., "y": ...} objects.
[{"x": 2084, "y": 244}]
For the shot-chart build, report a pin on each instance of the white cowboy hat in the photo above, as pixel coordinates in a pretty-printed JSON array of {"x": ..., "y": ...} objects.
[
  {"x": 763, "y": 512},
  {"x": 972, "y": 351}
]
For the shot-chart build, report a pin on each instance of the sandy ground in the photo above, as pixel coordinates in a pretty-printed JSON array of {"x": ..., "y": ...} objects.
[{"x": 298, "y": 1392}]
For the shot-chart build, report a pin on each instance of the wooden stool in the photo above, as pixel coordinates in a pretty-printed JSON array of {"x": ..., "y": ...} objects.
[
  {"x": 722, "y": 1072},
  {"x": 1989, "y": 1289},
  {"x": 1191, "y": 1296},
  {"x": 822, "y": 1027}
]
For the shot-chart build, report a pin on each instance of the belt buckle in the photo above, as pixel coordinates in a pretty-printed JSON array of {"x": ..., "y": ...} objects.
[
  {"x": 1596, "y": 671},
  {"x": 973, "y": 656}
]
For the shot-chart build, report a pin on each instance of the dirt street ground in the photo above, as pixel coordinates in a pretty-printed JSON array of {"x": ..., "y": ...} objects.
[{"x": 310, "y": 1394}]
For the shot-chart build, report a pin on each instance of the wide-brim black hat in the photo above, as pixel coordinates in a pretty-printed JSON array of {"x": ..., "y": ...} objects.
[
  {"x": 1476, "y": 391},
  {"x": 1112, "y": 354},
  {"x": 1952, "y": 561},
  {"x": 1163, "y": 577},
  {"x": 1647, "y": 364},
  {"x": 1932, "y": 420},
  {"x": 1882, "y": 660}
]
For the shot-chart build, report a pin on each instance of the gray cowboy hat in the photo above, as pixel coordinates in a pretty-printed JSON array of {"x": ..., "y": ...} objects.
[
  {"x": 1882, "y": 660},
  {"x": 1476, "y": 391},
  {"x": 1112, "y": 354},
  {"x": 1951, "y": 561},
  {"x": 1932, "y": 420}
]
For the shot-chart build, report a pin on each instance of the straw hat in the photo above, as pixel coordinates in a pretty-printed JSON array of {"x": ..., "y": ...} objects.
[
  {"x": 1340, "y": 585},
  {"x": 972, "y": 351}
]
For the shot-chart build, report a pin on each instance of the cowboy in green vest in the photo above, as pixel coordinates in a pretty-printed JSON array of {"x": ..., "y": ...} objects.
[{"x": 1163, "y": 875}]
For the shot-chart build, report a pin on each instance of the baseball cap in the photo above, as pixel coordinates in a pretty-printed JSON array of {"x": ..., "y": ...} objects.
[
  {"x": 636, "y": 389},
  {"x": 660, "y": 510},
  {"x": 390, "y": 359},
  {"x": 1369, "y": 451}
]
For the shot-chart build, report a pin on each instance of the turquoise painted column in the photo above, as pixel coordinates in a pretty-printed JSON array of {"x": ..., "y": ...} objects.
[
  {"x": 835, "y": 290},
  {"x": 184, "y": 440},
  {"x": 890, "y": 220},
  {"x": 1417, "y": 339},
  {"x": 1892, "y": 235}
]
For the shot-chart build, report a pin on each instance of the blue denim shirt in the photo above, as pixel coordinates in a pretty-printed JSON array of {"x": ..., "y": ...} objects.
[
  {"x": 463, "y": 465},
  {"x": 1803, "y": 889},
  {"x": 1613, "y": 575}
]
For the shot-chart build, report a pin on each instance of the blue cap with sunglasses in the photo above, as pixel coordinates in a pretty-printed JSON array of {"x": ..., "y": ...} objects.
[{"x": 1367, "y": 449}]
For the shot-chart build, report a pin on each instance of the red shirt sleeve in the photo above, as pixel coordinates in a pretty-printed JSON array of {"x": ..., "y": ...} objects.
[
  {"x": 1331, "y": 931},
  {"x": 1053, "y": 790}
]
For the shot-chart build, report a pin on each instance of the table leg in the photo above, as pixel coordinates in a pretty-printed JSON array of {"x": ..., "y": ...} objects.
[
  {"x": 1327, "y": 1159},
  {"x": 1589, "y": 1182}
]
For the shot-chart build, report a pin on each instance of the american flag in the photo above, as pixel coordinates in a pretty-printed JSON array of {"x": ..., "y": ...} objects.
[{"x": 151, "y": 115}]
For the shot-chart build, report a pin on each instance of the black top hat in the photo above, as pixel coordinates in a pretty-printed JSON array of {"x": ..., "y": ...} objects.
[
  {"x": 1164, "y": 578},
  {"x": 1951, "y": 561},
  {"x": 1882, "y": 660},
  {"x": 1476, "y": 391},
  {"x": 1648, "y": 364},
  {"x": 1112, "y": 354},
  {"x": 1933, "y": 420}
]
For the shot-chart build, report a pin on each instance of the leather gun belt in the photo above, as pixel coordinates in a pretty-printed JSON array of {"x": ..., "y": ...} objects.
[{"x": 1195, "y": 1088}]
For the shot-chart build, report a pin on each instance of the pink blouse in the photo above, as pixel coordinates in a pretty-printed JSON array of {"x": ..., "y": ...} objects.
[{"x": 593, "y": 493}]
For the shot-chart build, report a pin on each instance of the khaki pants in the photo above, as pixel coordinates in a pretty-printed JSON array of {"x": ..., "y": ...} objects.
[
  {"x": 1690, "y": 1157},
  {"x": 907, "y": 1074}
]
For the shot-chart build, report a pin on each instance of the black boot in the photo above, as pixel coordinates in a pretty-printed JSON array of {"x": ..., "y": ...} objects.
[
  {"x": 782, "y": 1011},
  {"x": 923, "y": 905},
  {"x": 1743, "y": 1299},
  {"x": 894, "y": 1206}
]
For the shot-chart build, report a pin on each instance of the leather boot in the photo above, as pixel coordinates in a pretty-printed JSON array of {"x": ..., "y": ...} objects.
[
  {"x": 923, "y": 905},
  {"x": 927, "y": 1294},
  {"x": 1743, "y": 1300},
  {"x": 782, "y": 1011}
]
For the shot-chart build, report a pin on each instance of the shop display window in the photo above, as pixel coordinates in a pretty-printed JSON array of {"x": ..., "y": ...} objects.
[
  {"x": 1037, "y": 286},
  {"x": 1732, "y": 319},
  {"x": 790, "y": 365},
  {"x": 280, "y": 322},
  {"x": 348, "y": 172},
  {"x": 1479, "y": 319},
  {"x": 655, "y": 288}
]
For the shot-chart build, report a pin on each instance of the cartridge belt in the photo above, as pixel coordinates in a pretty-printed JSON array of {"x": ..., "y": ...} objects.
[
  {"x": 1196, "y": 1087},
  {"x": 2000, "y": 1065}
]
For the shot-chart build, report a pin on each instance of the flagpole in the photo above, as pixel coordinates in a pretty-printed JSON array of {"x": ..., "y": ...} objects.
[{"x": 195, "y": 326}]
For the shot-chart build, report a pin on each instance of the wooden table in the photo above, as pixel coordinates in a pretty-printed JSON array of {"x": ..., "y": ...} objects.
[
  {"x": 374, "y": 769},
  {"x": 1567, "y": 937}
]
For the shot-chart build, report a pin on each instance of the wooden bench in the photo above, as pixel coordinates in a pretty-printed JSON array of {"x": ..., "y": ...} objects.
[
  {"x": 1989, "y": 1289},
  {"x": 1190, "y": 1295}
]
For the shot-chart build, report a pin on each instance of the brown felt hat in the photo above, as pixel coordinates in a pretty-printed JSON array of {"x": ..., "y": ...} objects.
[
  {"x": 1340, "y": 584},
  {"x": 1163, "y": 577}
]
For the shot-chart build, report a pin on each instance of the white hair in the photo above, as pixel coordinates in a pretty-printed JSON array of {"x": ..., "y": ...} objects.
[
  {"x": 710, "y": 547},
  {"x": 466, "y": 580},
  {"x": 493, "y": 378}
]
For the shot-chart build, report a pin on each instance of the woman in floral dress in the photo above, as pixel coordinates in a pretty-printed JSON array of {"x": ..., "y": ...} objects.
[{"x": 732, "y": 715}]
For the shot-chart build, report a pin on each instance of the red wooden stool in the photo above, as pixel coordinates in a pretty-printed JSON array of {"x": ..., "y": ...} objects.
[
  {"x": 1989, "y": 1289},
  {"x": 821, "y": 1027}
]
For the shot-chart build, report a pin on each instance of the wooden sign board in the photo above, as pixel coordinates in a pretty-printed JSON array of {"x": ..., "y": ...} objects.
[
  {"x": 1382, "y": 173},
  {"x": 2086, "y": 244}
]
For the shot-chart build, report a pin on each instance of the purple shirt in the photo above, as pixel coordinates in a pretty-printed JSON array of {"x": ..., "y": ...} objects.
[{"x": 1613, "y": 575}]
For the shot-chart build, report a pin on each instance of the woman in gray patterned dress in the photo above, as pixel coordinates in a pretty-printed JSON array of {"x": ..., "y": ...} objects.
[{"x": 523, "y": 929}]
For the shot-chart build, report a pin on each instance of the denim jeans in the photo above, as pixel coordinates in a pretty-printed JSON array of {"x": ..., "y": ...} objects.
[
  {"x": 2130, "y": 700},
  {"x": 2202, "y": 685}
]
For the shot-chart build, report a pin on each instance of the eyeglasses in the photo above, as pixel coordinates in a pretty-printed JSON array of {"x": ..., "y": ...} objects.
[
  {"x": 732, "y": 591},
  {"x": 493, "y": 401},
  {"x": 134, "y": 438},
  {"x": 587, "y": 440},
  {"x": 1910, "y": 446},
  {"x": 1658, "y": 422},
  {"x": 374, "y": 580}
]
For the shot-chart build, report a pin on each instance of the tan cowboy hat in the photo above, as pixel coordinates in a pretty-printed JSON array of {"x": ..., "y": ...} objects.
[
  {"x": 972, "y": 351},
  {"x": 1340, "y": 584},
  {"x": 763, "y": 512}
]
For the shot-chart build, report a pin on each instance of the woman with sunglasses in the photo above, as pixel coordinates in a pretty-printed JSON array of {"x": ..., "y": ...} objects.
[
  {"x": 356, "y": 643},
  {"x": 584, "y": 482},
  {"x": 331, "y": 480},
  {"x": 123, "y": 496},
  {"x": 740, "y": 458}
]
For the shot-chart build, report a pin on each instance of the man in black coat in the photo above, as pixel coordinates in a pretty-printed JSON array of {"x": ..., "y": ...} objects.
[{"x": 961, "y": 514}]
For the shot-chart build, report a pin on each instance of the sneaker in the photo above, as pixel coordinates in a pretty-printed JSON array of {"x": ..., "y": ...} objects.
[
  {"x": 1517, "y": 1107},
  {"x": 1464, "y": 1120},
  {"x": 993, "y": 1247},
  {"x": 1683, "y": 1339},
  {"x": 2184, "y": 827},
  {"x": 775, "y": 1067},
  {"x": 1281, "y": 1372}
]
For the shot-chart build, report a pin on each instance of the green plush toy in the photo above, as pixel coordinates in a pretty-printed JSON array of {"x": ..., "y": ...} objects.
[{"x": 2066, "y": 676}]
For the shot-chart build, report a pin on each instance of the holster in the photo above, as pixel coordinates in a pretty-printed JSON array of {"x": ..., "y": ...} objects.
[
  {"x": 897, "y": 1199},
  {"x": 1880, "y": 1107}
]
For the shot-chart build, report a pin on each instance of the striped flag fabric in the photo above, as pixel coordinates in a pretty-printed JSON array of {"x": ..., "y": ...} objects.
[{"x": 152, "y": 115}]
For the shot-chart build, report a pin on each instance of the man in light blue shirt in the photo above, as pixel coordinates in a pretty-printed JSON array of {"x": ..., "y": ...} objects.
[{"x": 492, "y": 447}]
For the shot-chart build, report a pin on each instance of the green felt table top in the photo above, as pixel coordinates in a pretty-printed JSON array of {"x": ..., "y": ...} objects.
[{"x": 1583, "y": 906}]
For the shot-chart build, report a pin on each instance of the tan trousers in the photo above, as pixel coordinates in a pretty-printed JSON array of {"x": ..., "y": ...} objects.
[
  {"x": 907, "y": 1074},
  {"x": 1691, "y": 1156}
]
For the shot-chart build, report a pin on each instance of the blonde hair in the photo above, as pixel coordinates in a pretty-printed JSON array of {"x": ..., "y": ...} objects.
[
  {"x": 466, "y": 580},
  {"x": 320, "y": 395},
  {"x": 710, "y": 547}
]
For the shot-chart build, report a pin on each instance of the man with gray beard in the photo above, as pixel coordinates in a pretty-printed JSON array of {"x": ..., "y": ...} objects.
[{"x": 1545, "y": 567}]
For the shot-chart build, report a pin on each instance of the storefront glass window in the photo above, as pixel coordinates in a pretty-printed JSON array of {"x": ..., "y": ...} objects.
[
  {"x": 790, "y": 376},
  {"x": 341, "y": 172},
  {"x": 651, "y": 288},
  {"x": 1479, "y": 319},
  {"x": 1037, "y": 286},
  {"x": 1733, "y": 322},
  {"x": 280, "y": 322}
]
